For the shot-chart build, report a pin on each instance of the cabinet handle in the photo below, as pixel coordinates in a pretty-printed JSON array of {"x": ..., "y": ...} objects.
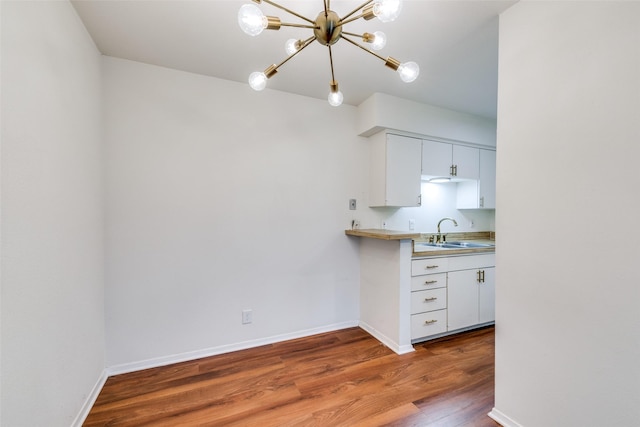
[
  {"x": 430, "y": 282},
  {"x": 480, "y": 274},
  {"x": 419, "y": 199},
  {"x": 428, "y": 267},
  {"x": 428, "y": 322},
  {"x": 451, "y": 171},
  {"x": 430, "y": 299},
  {"x": 482, "y": 202}
]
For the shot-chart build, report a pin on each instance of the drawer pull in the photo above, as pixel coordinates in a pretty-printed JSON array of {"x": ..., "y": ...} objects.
[
  {"x": 428, "y": 267},
  {"x": 430, "y": 282},
  {"x": 428, "y": 322},
  {"x": 430, "y": 299}
]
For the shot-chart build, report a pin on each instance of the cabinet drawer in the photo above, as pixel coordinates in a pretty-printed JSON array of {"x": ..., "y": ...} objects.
[
  {"x": 429, "y": 300},
  {"x": 472, "y": 261},
  {"x": 429, "y": 266},
  {"x": 429, "y": 281},
  {"x": 425, "y": 324}
]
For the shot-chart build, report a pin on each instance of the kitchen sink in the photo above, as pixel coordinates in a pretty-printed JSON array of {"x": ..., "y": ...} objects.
[
  {"x": 468, "y": 245},
  {"x": 457, "y": 245}
]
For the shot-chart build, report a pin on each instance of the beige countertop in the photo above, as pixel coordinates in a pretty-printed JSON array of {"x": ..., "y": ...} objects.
[
  {"x": 375, "y": 233},
  {"x": 421, "y": 250}
]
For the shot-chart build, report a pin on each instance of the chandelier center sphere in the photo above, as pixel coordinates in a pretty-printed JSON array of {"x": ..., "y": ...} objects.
[{"x": 328, "y": 28}]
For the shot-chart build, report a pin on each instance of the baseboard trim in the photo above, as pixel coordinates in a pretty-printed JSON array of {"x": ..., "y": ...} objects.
[
  {"x": 90, "y": 400},
  {"x": 213, "y": 351},
  {"x": 502, "y": 419},
  {"x": 397, "y": 348}
]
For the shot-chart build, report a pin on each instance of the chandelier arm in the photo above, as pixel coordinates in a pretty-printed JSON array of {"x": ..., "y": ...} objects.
[
  {"x": 333, "y": 78},
  {"x": 355, "y": 18},
  {"x": 306, "y": 43},
  {"x": 286, "y": 24},
  {"x": 356, "y": 9},
  {"x": 352, "y": 34},
  {"x": 309, "y": 40},
  {"x": 274, "y": 4},
  {"x": 363, "y": 48}
]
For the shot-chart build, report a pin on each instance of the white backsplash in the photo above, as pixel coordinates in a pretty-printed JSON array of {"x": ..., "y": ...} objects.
[{"x": 438, "y": 201}]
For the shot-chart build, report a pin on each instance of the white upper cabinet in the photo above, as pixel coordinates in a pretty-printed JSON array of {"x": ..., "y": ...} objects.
[
  {"x": 487, "y": 183},
  {"x": 466, "y": 162},
  {"x": 442, "y": 159},
  {"x": 480, "y": 194},
  {"x": 436, "y": 158},
  {"x": 395, "y": 170}
]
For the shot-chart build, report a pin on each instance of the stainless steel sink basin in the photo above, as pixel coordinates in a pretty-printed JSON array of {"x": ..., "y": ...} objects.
[
  {"x": 468, "y": 245},
  {"x": 457, "y": 245}
]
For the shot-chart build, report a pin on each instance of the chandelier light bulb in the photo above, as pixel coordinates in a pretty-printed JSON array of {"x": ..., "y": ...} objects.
[
  {"x": 291, "y": 46},
  {"x": 336, "y": 98},
  {"x": 379, "y": 40},
  {"x": 408, "y": 71},
  {"x": 257, "y": 80},
  {"x": 387, "y": 10},
  {"x": 251, "y": 19}
]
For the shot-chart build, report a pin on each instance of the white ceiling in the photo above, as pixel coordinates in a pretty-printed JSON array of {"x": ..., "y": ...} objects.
[{"x": 455, "y": 42}]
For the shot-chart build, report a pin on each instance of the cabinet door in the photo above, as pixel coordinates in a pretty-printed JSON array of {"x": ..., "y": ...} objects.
[
  {"x": 462, "y": 299},
  {"x": 403, "y": 170},
  {"x": 487, "y": 184},
  {"x": 487, "y": 296},
  {"x": 480, "y": 194},
  {"x": 467, "y": 162},
  {"x": 395, "y": 170},
  {"x": 436, "y": 158}
]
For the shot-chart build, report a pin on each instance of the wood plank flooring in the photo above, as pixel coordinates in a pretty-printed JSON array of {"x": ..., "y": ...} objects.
[{"x": 342, "y": 378}]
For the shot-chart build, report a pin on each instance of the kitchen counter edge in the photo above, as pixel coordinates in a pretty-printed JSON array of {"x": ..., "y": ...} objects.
[{"x": 383, "y": 234}]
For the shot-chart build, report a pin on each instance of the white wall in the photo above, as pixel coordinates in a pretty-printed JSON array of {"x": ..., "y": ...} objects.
[
  {"x": 53, "y": 345},
  {"x": 221, "y": 199},
  {"x": 568, "y": 329}
]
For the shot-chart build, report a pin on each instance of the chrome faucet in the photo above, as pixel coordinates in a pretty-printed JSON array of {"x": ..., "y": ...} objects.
[{"x": 441, "y": 237}]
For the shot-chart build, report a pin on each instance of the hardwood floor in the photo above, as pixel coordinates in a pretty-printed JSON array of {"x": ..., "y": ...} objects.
[{"x": 342, "y": 378}]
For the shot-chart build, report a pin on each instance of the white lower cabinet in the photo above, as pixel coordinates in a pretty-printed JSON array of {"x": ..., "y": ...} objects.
[
  {"x": 487, "y": 296},
  {"x": 460, "y": 295}
]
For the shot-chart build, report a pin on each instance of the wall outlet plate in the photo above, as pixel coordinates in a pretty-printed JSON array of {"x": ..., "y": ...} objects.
[
  {"x": 247, "y": 316},
  {"x": 352, "y": 204}
]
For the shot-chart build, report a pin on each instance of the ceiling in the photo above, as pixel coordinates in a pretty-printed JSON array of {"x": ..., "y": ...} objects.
[{"x": 455, "y": 42}]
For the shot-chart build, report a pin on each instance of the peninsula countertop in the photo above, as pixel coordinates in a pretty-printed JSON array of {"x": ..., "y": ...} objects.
[{"x": 421, "y": 248}]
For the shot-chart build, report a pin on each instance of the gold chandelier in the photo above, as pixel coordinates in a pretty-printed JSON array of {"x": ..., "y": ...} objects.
[{"x": 327, "y": 30}]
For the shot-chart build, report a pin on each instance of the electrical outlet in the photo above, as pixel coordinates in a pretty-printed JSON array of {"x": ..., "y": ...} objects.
[
  {"x": 412, "y": 224},
  {"x": 355, "y": 224},
  {"x": 352, "y": 204},
  {"x": 384, "y": 225},
  {"x": 247, "y": 316}
]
